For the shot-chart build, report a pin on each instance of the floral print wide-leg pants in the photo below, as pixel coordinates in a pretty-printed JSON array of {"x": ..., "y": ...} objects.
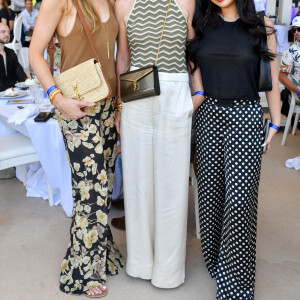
[{"x": 91, "y": 149}]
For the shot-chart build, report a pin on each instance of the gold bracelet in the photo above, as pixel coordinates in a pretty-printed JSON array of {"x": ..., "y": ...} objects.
[
  {"x": 53, "y": 94},
  {"x": 118, "y": 107}
]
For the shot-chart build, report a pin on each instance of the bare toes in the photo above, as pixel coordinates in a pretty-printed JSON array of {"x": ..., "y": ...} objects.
[
  {"x": 97, "y": 290},
  {"x": 103, "y": 287}
]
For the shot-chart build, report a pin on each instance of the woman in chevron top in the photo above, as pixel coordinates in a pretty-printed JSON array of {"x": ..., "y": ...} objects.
[{"x": 155, "y": 138}]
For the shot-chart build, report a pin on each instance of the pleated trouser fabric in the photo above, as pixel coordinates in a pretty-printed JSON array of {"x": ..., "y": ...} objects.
[
  {"x": 155, "y": 139},
  {"x": 229, "y": 151}
]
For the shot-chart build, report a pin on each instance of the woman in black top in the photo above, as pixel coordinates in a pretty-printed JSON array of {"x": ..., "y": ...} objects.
[
  {"x": 230, "y": 41},
  {"x": 7, "y": 16}
]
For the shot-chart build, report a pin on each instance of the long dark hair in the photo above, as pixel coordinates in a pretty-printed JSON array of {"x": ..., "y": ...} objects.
[{"x": 207, "y": 12}]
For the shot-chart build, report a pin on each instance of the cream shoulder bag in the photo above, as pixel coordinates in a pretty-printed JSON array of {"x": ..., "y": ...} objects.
[{"x": 86, "y": 81}]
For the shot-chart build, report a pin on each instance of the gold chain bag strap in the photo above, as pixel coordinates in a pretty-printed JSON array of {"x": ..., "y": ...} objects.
[
  {"x": 144, "y": 82},
  {"x": 86, "y": 81}
]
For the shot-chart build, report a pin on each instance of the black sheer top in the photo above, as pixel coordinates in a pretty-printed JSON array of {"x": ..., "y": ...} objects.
[{"x": 229, "y": 65}]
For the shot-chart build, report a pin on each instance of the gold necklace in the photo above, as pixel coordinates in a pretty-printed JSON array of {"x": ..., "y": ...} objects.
[
  {"x": 106, "y": 30},
  {"x": 107, "y": 40}
]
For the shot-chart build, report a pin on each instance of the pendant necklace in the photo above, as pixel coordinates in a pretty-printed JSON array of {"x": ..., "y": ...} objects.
[{"x": 107, "y": 40}]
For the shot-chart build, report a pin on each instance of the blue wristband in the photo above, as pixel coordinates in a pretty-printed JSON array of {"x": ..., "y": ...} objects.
[
  {"x": 200, "y": 93},
  {"x": 298, "y": 93},
  {"x": 274, "y": 126},
  {"x": 51, "y": 89}
]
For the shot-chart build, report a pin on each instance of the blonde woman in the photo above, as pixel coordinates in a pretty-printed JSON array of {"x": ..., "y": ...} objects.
[{"x": 90, "y": 138}]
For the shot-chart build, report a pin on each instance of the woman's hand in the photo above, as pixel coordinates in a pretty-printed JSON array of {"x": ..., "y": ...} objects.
[
  {"x": 271, "y": 134},
  {"x": 118, "y": 121},
  {"x": 197, "y": 101},
  {"x": 70, "y": 108}
]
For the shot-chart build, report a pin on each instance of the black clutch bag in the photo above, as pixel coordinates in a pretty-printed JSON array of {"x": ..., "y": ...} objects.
[
  {"x": 144, "y": 82},
  {"x": 141, "y": 83},
  {"x": 265, "y": 76}
]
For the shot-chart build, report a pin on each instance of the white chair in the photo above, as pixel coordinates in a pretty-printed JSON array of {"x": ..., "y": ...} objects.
[
  {"x": 17, "y": 150},
  {"x": 16, "y": 44},
  {"x": 26, "y": 66},
  {"x": 293, "y": 109}
]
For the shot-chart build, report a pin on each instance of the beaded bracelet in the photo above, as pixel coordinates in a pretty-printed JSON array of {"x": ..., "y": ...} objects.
[
  {"x": 200, "y": 93},
  {"x": 51, "y": 89},
  {"x": 274, "y": 126}
]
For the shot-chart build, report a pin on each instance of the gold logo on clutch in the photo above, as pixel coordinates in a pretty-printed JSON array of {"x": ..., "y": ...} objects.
[
  {"x": 136, "y": 86},
  {"x": 75, "y": 88}
]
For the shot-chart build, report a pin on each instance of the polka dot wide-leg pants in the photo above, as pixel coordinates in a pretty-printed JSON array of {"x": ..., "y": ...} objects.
[{"x": 229, "y": 151}]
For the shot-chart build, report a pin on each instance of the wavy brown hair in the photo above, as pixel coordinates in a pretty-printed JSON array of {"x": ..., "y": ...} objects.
[{"x": 91, "y": 15}]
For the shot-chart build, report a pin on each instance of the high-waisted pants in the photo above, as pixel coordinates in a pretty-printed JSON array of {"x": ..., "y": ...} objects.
[
  {"x": 229, "y": 151},
  {"x": 91, "y": 148},
  {"x": 155, "y": 140}
]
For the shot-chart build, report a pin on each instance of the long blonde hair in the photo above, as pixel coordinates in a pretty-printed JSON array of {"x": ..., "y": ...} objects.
[{"x": 91, "y": 15}]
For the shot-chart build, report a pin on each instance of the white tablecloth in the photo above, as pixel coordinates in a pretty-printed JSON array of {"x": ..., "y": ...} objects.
[
  {"x": 48, "y": 143},
  {"x": 282, "y": 37}
]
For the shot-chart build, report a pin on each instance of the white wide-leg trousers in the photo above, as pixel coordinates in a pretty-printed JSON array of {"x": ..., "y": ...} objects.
[{"x": 155, "y": 139}]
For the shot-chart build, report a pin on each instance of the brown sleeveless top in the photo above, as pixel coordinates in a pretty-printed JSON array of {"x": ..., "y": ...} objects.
[{"x": 76, "y": 48}]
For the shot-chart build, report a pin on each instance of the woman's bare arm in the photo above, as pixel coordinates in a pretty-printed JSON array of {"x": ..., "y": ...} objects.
[
  {"x": 188, "y": 7},
  {"x": 11, "y": 24},
  {"x": 273, "y": 97},
  {"x": 50, "y": 15}
]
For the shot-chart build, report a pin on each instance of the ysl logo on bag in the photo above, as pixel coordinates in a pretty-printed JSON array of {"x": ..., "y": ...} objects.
[
  {"x": 136, "y": 86},
  {"x": 75, "y": 88}
]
